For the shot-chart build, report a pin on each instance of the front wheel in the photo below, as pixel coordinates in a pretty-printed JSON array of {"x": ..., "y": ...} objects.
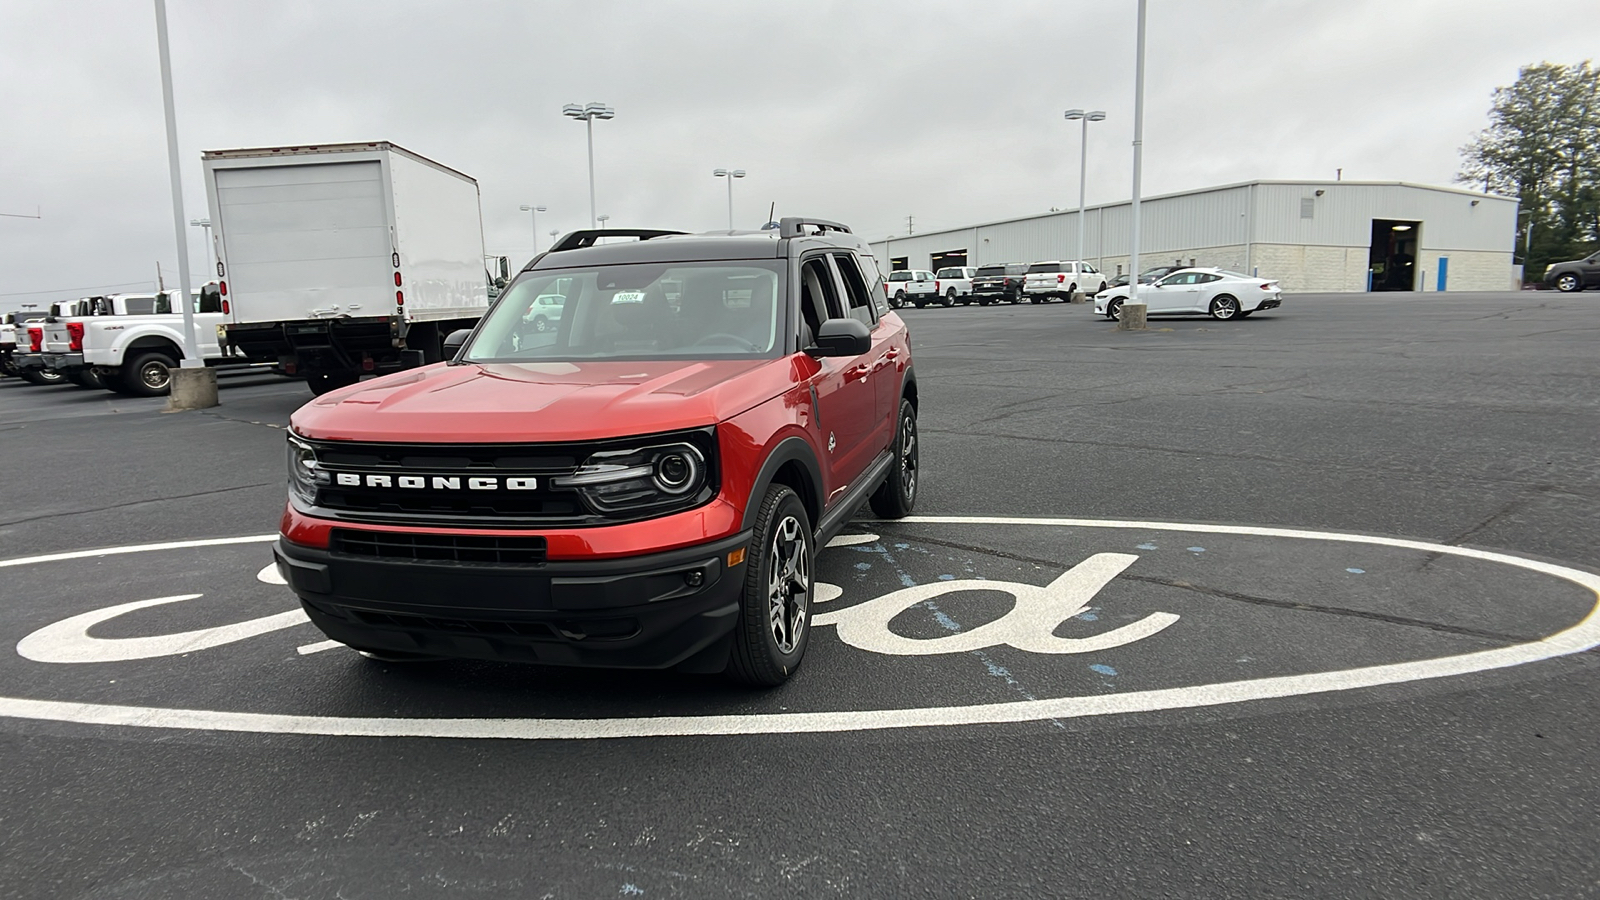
[
  {"x": 774, "y": 626},
  {"x": 896, "y": 497},
  {"x": 1568, "y": 283},
  {"x": 1114, "y": 310},
  {"x": 1224, "y": 308}
]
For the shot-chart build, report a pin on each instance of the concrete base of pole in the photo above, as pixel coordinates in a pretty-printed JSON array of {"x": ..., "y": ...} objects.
[
  {"x": 1078, "y": 297},
  {"x": 193, "y": 389},
  {"x": 1133, "y": 317}
]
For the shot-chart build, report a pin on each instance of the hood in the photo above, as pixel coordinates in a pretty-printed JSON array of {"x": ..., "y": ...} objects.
[{"x": 538, "y": 402}]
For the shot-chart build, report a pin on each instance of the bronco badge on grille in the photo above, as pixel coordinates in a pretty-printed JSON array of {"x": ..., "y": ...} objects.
[{"x": 437, "y": 482}]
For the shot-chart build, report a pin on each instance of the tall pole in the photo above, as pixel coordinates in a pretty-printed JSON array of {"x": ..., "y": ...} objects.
[
  {"x": 730, "y": 202},
  {"x": 1138, "y": 151},
  {"x": 191, "y": 346},
  {"x": 1083, "y": 180},
  {"x": 589, "y": 122}
]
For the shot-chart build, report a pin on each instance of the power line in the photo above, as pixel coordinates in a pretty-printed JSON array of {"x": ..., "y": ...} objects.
[{"x": 92, "y": 287}]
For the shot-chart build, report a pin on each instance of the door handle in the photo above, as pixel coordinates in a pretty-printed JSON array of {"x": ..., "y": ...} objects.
[{"x": 892, "y": 353}]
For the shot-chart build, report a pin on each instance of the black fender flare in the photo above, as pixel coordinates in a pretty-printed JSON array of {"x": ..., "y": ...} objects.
[
  {"x": 908, "y": 388},
  {"x": 791, "y": 449}
]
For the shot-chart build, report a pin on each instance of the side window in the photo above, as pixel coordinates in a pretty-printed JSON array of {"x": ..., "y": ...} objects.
[
  {"x": 163, "y": 304},
  {"x": 874, "y": 279},
  {"x": 855, "y": 289},
  {"x": 1208, "y": 278},
  {"x": 818, "y": 299}
]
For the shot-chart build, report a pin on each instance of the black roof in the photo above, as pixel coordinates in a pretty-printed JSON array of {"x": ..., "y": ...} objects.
[{"x": 712, "y": 245}]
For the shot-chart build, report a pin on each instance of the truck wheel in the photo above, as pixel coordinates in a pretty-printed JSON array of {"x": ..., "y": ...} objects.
[
  {"x": 899, "y": 299},
  {"x": 7, "y": 367},
  {"x": 42, "y": 377},
  {"x": 1568, "y": 282},
  {"x": 949, "y": 298},
  {"x": 148, "y": 374},
  {"x": 897, "y": 495},
  {"x": 774, "y": 626},
  {"x": 323, "y": 382}
]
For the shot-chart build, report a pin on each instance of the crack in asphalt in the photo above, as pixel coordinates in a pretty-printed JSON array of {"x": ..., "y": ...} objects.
[
  {"x": 217, "y": 415},
  {"x": 1294, "y": 605},
  {"x": 79, "y": 512}
]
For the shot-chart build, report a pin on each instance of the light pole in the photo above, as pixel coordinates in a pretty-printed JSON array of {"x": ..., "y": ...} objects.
[
  {"x": 587, "y": 114},
  {"x": 1134, "y": 319},
  {"x": 603, "y": 219},
  {"x": 729, "y": 174},
  {"x": 1083, "y": 163},
  {"x": 206, "y": 224},
  {"x": 534, "y": 211}
]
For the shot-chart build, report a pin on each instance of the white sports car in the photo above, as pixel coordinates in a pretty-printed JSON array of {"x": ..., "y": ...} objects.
[{"x": 1216, "y": 292}]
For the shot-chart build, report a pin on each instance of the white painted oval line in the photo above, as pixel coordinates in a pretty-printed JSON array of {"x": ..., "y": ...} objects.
[
  {"x": 308, "y": 649},
  {"x": 1576, "y": 639},
  {"x": 270, "y": 575}
]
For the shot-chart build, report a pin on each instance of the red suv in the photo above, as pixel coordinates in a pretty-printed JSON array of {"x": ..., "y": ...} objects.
[{"x": 643, "y": 485}]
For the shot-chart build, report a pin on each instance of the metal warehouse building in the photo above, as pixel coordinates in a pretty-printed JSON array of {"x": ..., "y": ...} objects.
[{"x": 1308, "y": 235}]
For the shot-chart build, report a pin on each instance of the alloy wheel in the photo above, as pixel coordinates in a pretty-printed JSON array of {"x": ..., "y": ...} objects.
[
  {"x": 908, "y": 456},
  {"x": 788, "y": 584},
  {"x": 155, "y": 375},
  {"x": 1224, "y": 308}
]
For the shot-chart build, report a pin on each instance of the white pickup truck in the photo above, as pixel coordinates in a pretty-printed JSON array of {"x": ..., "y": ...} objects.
[
  {"x": 910, "y": 286},
  {"x": 133, "y": 345},
  {"x": 954, "y": 284},
  {"x": 26, "y": 357}
]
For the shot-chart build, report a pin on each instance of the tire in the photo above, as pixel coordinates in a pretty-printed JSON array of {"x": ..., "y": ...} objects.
[
  {"x": 768, "y": 648},
  {"x": 86, "y": 378},
  {"x": 1114, "y": 309},
  {"x": 949, "y": 298},
  {"x": 1016, "y": 296},
  {"x": 897, "y": 496},
  {"x": 148, "y": 374},
  {"x": 1036, "y": 300},
  {"x": 42, "y": 378},
  {"x": 541, "y": 324},
  {"x": 899, "y": 299},
  {"x": 1567, "y": 283},
  {"x": 1224, "y": 308},
  {"x": 1071, "y": 291},
  {"x": 7, "y": 366},
  {"x": 323, "y": 382}
]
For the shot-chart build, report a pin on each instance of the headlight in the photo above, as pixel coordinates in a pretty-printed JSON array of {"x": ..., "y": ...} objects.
[
  {"x": 632, "y": 480},
  {"x": 304, "y": 476}
]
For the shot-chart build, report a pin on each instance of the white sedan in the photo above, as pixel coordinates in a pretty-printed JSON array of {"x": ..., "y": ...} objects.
[{"x": 1218, "y": 293}]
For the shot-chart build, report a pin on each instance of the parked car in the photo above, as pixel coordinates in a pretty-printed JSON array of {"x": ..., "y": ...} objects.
[
  {"x": 954, "y": 284},
  {"x": 133, "y": 349},
  {"x": 997, "y": 282},
  {"x": 1146, "y": 277},
  {"x": 1060, "y": 280},
  {"x": 910, "y": 286},
  {"x": 26, "y": 361},
  {"x": 1216, "y": 292},
  {"x": 645, "y": 487},
  {"x": 1574, "y": 275}
]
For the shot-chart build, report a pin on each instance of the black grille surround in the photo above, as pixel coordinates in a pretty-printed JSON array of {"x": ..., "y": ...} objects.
[{"x": 461, "y": 507}]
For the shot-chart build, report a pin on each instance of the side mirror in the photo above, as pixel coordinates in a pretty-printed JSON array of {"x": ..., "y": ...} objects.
[
  {"x": 453, "y": 342},
  {"x": 842, "y": 337}
]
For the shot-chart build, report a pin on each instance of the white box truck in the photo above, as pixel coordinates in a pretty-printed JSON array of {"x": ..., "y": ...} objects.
[{"x": 343, "y": 259}]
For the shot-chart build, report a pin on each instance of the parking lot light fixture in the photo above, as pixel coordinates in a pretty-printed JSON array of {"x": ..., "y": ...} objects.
[
  {"x": 1096, "y": 115},
  {"x": 1134, "y": 319},
  {"x": 729, "y": 174},
  {"x": 587, "y": 114},
  {"x": 534, "y": 211},
  {"x": 206, "y": 224}
]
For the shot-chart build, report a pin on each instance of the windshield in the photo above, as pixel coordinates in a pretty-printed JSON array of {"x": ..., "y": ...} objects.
[{"x": 716, "y": 310}]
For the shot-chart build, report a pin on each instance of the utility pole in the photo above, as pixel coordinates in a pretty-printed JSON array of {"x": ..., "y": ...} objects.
[
  {"x": 1133, "y": 311},
  {"x": 909, "y": 230}
]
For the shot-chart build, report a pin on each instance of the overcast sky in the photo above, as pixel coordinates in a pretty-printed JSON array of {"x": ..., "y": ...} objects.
[{"x": 862, "y": 112}]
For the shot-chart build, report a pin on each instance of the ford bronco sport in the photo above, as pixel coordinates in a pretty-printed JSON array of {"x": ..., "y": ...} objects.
[{"x": 643, "y": 483}]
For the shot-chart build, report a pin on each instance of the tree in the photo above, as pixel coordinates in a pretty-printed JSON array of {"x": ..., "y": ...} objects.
[{"x": 1543, "y": 147}]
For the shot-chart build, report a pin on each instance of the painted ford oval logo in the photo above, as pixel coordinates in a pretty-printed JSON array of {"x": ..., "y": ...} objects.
[{"x": 929, "y": 622}]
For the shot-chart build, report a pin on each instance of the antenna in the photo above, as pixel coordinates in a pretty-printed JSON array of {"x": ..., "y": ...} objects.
[
  {"x": 36, "y": 214},
  {"x": 909, "y": 229}
]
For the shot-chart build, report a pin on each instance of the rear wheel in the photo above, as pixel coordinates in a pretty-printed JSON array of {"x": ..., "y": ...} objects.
[
  {"x": 85, "y": 378},
  {"x": 896, "y": 497},
  {"x": 540, "y": 323},
  {"x": 323, "y": 382},
  {"x": 148, "y": 374},
  {"x": 1224, "y": 308},
  {"x": 898, "y": 300},
  {"x": 42, "y": 377},
  {"x": 774, "y": 624},
  {"x": 1016, "y": 295},
  {"x": 950, "y": 298}
]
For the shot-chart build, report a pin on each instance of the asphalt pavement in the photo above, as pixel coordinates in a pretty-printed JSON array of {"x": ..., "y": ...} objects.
[{"x": 1291, "y": 606}]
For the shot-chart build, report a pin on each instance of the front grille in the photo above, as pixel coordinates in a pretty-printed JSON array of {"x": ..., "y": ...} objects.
[
  {"x": 489, "y": 550},
  {"x": 458, "y": 626}
]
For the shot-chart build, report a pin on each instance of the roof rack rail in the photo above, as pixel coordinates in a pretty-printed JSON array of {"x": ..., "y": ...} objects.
[
  {"x": 577, "y": 240},
  {"x": 795, "y": 226}
]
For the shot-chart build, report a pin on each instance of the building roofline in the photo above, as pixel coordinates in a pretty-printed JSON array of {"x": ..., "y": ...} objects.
[{"x": 1204, "y": 190}]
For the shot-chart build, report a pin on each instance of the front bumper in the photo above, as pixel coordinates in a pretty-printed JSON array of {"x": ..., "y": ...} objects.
[
  {"x": 643, "y": 611},
  {"x": 63, "y": 362}
]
